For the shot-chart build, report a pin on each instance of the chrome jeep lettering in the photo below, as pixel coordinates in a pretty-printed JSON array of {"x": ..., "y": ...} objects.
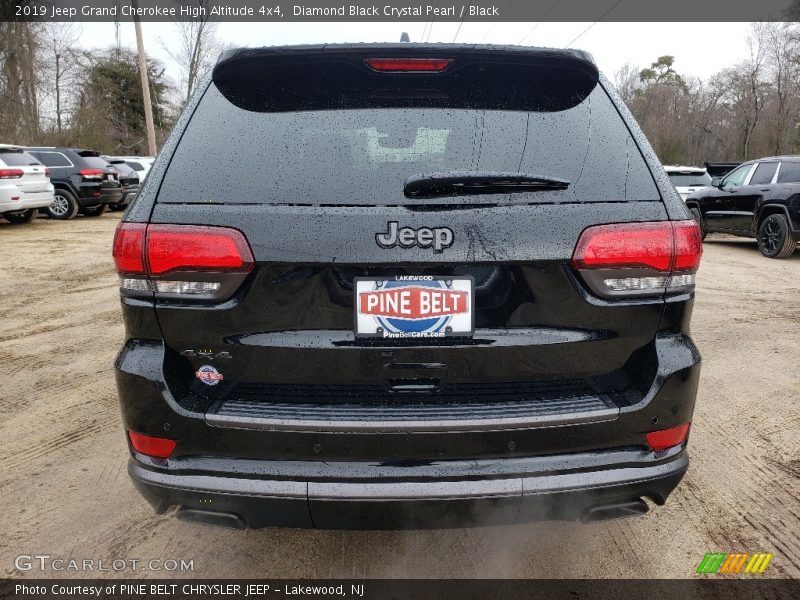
[{"x": 437, "y": 238}]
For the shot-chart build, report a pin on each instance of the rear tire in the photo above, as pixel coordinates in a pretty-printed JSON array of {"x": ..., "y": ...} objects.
[
  {"x": 64, "y": 206},
  {"x": 93, "y": 211},
  {"x": 699, "y": 218},
  {"x": 18, "y": 218},
  {"x": 117, "y": 207},
  {"x": 775, "y": 238}
]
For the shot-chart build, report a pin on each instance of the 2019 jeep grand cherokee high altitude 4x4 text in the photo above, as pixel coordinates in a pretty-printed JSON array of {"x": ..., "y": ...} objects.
[{"x": 406, "y": 286}]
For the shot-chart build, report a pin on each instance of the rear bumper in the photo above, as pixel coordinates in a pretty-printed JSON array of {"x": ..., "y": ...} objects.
[
  {"x": 112, "y": 197},
  {"x": 28, "y": 201},
  {"x": 129, "y": 193},
  {"x": 440, "y": 495},
  {"x": 90, "y": 198}
]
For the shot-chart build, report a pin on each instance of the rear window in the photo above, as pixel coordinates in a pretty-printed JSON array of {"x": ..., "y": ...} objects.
[
  {"x": 135, "y": 165},
  {"x": 689, "y": 179},
  {"x": 95, "y": 162},
  {"x": 122, "y": 167},
  {"x": 17, "y": 159},
  {"x": 363, "y": 156}
]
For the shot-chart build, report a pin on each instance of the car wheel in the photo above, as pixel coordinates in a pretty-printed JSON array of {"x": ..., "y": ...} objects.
[
  {"x": 19, "y": 217},
  {"x": 94, "y": 211},
  {"x": 117, "y": 207},
  {"x": 63, "y": 207},
  {"x": 775, "y": 238},
  {"x": 699, "y": 218}
]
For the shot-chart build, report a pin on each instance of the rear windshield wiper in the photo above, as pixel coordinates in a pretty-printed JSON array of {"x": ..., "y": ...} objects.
[{"x": 463, "y": 183}]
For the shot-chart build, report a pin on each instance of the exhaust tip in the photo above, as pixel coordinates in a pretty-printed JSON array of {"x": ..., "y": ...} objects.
[
  {"x": 619, "y": 510},
  {"x": 210, "y": 517}
]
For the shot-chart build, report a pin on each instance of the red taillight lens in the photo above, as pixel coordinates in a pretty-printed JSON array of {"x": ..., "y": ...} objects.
[
  {"x": 128, "y": 249},
  {"x": 159, "y": 249},
  {"x": 408, "y": 65},
  {"x": 47, "y": 171},
  {"x": 151, "y": 446},
  {"x": 688, "y": 245},
  {"x": 91, "y": 173},
  {"x": 667, "y": 438},
  {"x": 625, "y": 245},
  {"x": 11, "y": 173},
  {"x": 192, "y": 248}
]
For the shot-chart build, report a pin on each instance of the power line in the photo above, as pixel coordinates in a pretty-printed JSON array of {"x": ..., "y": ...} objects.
[
  {"x": 432, "y": 20},
  {"x": 488, "y": 31},
  {"x": 595, "y": 23},
  {"x": 425, "y": 30},
  {"x": 461, "y": 22},
  {"x": 535, "y": 25}
]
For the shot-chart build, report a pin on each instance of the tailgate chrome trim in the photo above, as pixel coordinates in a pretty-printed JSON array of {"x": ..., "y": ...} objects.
[{"x": 413, "y": 418}]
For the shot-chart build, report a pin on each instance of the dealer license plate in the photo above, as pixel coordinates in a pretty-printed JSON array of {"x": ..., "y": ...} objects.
[{"x": 409, "y": 306}]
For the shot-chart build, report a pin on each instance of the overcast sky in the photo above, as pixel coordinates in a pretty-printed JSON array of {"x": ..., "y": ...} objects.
[{"x": 700, "y": 49}]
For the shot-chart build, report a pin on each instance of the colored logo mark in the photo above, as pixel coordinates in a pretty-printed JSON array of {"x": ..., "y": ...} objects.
[
  {"x": 721, "y": 562},
  {"x": 208, "y": 375}
]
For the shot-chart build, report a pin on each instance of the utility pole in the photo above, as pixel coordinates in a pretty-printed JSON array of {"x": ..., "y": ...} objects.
[
  {"x": 148, "y": 108},
  {"x": 58, "y": 92}
]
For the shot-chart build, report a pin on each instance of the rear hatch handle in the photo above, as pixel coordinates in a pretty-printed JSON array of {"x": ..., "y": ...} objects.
[{"x": 414, "y": 377}]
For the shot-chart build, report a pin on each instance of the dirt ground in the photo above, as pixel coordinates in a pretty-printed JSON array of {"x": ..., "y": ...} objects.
[{"x": 63, "y": 456}]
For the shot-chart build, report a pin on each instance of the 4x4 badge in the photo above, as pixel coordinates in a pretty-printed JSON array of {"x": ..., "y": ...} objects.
[
  {"x": 438, "y": 238},
  {"x": 208, "y": 354}
]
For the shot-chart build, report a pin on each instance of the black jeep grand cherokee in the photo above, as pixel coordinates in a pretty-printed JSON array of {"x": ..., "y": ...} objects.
[
  {"x": 760, "y": 199},
  {"x": 385, "y": 286}
]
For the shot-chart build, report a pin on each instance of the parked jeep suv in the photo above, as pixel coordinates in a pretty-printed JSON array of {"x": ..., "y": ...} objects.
[
  {"x": 24, "y": 185},
  {"x": 760, "y": 199},
  {"x": 687, "y": 179},
  {"x": 83, "y": 181},
  {"x": 411, "y": 286},
  {"x": 128, "y": 180}
]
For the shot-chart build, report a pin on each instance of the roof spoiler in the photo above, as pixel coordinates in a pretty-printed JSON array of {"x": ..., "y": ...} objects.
[{"x": 339, "y": 76}]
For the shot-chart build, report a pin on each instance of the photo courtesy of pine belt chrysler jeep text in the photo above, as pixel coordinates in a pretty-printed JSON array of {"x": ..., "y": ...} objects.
[{"x": 407, "y": 286}]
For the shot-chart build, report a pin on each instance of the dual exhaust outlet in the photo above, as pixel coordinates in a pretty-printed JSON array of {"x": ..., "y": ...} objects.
[{"x": 595, "y": 514}]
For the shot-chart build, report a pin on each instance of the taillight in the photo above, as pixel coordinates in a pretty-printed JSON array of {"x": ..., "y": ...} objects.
[
  {"x": 180, "y": 261},
  {"x": 128, "y": 249},
  {"x": 408, "y": 65},
  {"x": 47, "y": 171},
  {"x": 667, "y": 438},
  {"x": 11, "y": 173},
  {"x": 634, "y": 259},
  {"x": 190, "y": 248},
  {"x": 91, "y": 173},
  {"x": 151, "y": 446}
]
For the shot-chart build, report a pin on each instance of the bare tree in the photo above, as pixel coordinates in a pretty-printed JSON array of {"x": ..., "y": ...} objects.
[
  {"x": 194, "y": 49},
  {"x": 782, "y": 42},
  {"x": 752, "y": 87},
  {"x": 20, "y": 77},
  {"x": 63, "y": 62},
  {"x": 626, "y": 80}
]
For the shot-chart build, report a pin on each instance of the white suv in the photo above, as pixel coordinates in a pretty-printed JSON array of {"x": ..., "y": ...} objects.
[
  {"x": 688, "y": 179},
  {"x": 140, "y": 164},
  {"x": 24, "y": 185}
]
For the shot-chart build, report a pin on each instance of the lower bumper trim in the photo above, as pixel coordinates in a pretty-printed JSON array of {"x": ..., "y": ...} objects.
[{"x": 409, "y": 504}]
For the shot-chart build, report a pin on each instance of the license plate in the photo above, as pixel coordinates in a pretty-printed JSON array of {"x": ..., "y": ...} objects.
[{"x": 408, "y": 306}]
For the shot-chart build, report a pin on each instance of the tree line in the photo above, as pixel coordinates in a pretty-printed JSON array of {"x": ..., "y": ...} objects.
[
  {"x": 53, "y": 91},
  {"x": 748, "y": 110}
]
